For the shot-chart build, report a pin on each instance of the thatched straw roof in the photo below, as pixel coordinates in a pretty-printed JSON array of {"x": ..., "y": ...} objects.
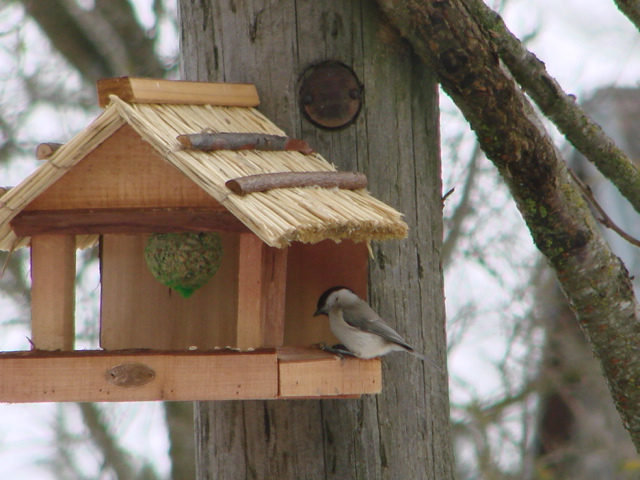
[{"x": 278, "y": 216}]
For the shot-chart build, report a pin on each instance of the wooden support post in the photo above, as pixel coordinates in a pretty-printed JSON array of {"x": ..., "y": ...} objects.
[
  {"x": 262, "y": 273},
  {"x": 53, "y": 279}
]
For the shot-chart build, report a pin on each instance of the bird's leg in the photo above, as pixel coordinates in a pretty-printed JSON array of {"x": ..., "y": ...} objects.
[{"x": 339, "y": 350}]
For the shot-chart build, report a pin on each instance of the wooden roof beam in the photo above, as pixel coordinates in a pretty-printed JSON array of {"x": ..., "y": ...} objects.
[
  {"x": 151, "y": 90},
  {"x": 126, "y": 220}
]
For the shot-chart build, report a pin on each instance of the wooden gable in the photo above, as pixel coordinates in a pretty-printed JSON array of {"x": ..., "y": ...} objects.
[{"x": 124, "y": 174}]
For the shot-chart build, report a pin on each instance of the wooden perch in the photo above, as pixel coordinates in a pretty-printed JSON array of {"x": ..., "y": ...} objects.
[
  {"x": 45, "y": 150},
  {"x": 243, "y": 141},
  {"x": 269, "y": 181},
  {"x": 152, "y": 90}
]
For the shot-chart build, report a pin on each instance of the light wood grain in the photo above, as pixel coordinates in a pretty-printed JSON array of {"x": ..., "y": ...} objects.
[
  {"x": 283, "y": 373},
  {"x": 314, "y": 373},
  {"x": 122, "y": 172},
  {"x": 151, "y": 90},
  {"x": 261, "y": 293},
  {"x": 311, "y": 270},
  {"x": 53, "y": 282},
  {"x": 139, "y": 312},
  {"x": 126, "y": 220},
  {"x": 81, "y": 377}
]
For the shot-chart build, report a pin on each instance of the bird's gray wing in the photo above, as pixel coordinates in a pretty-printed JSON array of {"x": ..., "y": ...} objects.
[{"x": 363, "y": 317}]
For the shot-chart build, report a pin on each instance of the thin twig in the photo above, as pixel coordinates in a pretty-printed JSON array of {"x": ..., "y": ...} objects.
[
  {"x": 463, "y": 208},
  {"x": 446, "y": 195},
  {"x": 605, "y": 220}
]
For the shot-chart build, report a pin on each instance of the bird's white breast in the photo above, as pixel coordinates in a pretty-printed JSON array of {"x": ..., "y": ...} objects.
[{"x": 362, "y": 344}]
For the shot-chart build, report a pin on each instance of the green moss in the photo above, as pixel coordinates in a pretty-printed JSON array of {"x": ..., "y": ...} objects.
[{"x": 184, "y": 261}]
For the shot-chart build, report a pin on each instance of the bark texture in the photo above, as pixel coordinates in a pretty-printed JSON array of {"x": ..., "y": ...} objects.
[
  {"x": 404, "y": 432},
  {"x": 583, "y": 133},
  {"x": 268, "y": 181},
  {"x": 578, "y": 433},
  {"x": 631, "y": 9},
  {"x": 594, "y": 280}
]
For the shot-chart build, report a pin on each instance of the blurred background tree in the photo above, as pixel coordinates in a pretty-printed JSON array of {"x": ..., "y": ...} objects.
[
  {"x": 53, "y": 51},
  {"x": 528, "y": 401}
]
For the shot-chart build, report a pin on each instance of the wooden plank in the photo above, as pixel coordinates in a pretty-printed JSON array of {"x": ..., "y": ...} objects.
[
  {"x": 149, "y": 90},
  {"x": 111, "y": 177},
  {"x": 274, "y": 289},
  {"x": 139, "y": 312},
  {"x": 261, "y": 293},
  {"x": 53, "y": 277},
  {"x": 126, "y": 220},
  {"x": 250, "y": 308},
  {"x": 314, "y": 373},
  {"x": 179, "y": 376},
  {"x": 311, "y": 269}
]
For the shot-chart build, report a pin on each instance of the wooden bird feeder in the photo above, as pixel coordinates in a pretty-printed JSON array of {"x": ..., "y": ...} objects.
[{"x": 248, "y": 333}]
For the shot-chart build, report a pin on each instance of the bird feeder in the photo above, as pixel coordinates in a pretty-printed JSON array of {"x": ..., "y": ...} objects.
[{"x": 141, "y": 169}]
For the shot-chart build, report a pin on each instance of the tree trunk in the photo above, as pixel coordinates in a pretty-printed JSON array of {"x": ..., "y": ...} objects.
[
  {"x": 403, "y": 432},
  {"x": 596, "y": 283}
]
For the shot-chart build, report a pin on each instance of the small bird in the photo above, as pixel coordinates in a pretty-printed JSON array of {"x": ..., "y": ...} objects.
[{"x": 359, "y": 328}]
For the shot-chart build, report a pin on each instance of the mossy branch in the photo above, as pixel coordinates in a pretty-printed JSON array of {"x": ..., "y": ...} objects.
[
  {"x": 561, "y": 108},
  {"x": 465, "y": 58}
]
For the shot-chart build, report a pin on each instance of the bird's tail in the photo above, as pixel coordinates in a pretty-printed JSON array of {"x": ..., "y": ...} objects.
[{"x": 426, "y": 359}]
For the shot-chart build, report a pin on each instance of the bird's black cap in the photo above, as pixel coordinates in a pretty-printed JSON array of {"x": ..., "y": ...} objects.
[{"x": 323, "y": 299}]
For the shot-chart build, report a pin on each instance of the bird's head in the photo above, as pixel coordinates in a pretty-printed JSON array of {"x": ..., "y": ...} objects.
[{"x": 332, "y": 297}]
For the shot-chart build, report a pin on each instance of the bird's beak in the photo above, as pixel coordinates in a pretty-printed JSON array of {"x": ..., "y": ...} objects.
[{"x": 318, "y": 312}]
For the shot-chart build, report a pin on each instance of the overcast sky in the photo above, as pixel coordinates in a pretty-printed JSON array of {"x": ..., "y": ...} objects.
[{"x": 585, "y": 45}]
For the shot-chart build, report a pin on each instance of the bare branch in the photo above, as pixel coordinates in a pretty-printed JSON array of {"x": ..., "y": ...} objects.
[
  {"x": 595, "y": 281},
  {"x": 462, "y": 210},
  {"x": 139, "y": 46},
  {"x": 583, "y": 133},
  {"x": 605, "y": 220},
  {"x": 114, "y": 457},
  {"x": 268, "y": 181},
  {"x": 631, "y": 8},
  {"x": 68, "y": 37},
  {"x": 96, "y": 42}
]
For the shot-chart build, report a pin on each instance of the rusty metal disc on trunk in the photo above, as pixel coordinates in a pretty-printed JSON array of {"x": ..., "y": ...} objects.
[{"x": 330, "y": 95}]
